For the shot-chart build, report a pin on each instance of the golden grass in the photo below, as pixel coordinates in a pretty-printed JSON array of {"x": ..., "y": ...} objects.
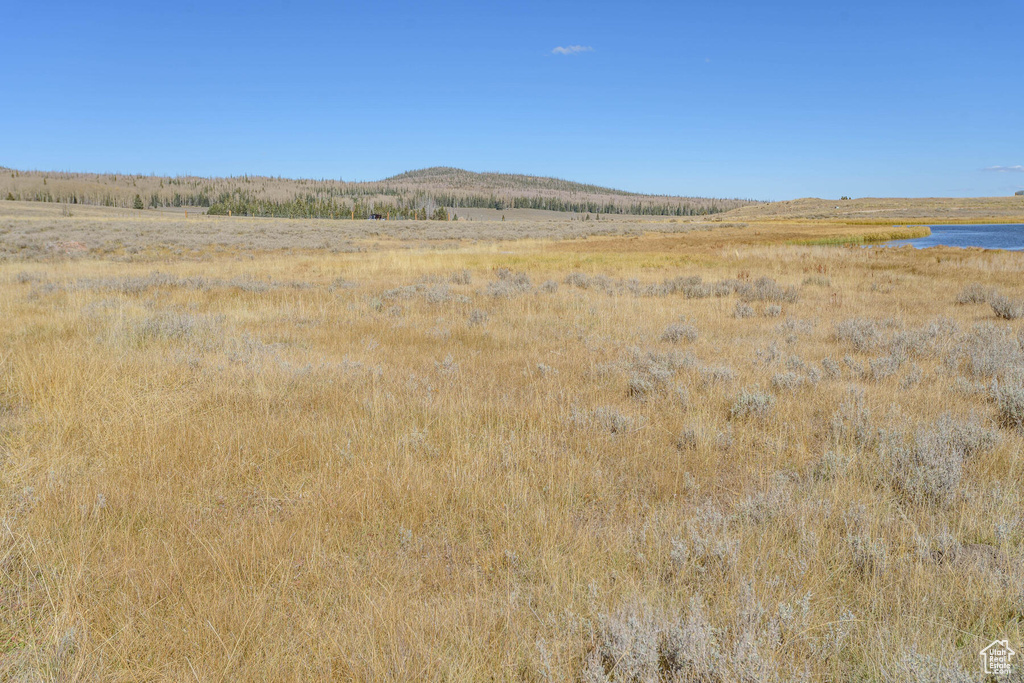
[
  {"x": 889, "y": 210},
  {"x": 707, "y": 237},
  {"x": 361, "y": 470},
  {"x": 865, "y": 236}
]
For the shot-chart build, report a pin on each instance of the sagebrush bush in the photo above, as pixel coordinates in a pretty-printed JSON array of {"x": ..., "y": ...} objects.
[
  {"x": 698, "y": 291},
  {"x": 764, "y": 505},
  {"x": 817, "y": 281},
  {"x": 677, "y": 332},
  {"x": 26, "y": 277},
  {"x": 657, "y": 366},
  {"x": 743, "y": 310},
  {"x": 929, "y": 466},
  {"x": 974, "y": 293},
  {"x": 833, "y": 464},
  {"x": 639, "y": 386},
  {"x": 680, "y": 284},
  {"x": 831, "y": 368},
  {"x": 1010, "y": 405},
  {"x": 787, "y": 381},
  {"x": 712, "y": 376},
  {"x": 853, "y": 423},
  {"x": 883, "y": 367},
  {"x": 638, "y": 643},
  {"x": 1006, "y": 308},
  {"x": 340, "y": 284},
  {"x": 860, "y": 333},
  {"x": 868, "y": 555},
  {"x": 766, "y": 356},
  {"x": 509, "y": 284},
  {"x": 461, "y": 277},
  {"x": 912, "y": 378},
  {"x": 991, "y": 351},
  {"x": 795, "y": 378},
  {"x": 766, "y": 289},
  {"x": 437, "y": 294},
  {"x": 751, "y": 403},
  {"x": 178, "y": 326}
]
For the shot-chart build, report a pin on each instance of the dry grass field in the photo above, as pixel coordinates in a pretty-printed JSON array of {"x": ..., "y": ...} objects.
[
  {"x": 888, "y": 210},
  {"x": 34, "y": 230},
  {"x": 711, "y": 455}
]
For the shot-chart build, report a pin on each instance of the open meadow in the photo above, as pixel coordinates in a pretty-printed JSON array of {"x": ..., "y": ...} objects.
[{"x": 702, "y": 450}]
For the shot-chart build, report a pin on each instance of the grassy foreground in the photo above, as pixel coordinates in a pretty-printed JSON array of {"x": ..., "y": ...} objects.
[{"x": 623, "y": 458}]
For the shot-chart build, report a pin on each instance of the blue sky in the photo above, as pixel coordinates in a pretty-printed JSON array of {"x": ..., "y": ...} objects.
[{"x": 735, "y": 99}]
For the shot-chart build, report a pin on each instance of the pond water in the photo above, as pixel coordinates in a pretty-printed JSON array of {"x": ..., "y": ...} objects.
[{"x": 1005, "y": 236}]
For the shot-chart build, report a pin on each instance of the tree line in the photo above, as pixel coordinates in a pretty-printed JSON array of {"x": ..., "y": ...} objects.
[{"x": 414, "y": 195}]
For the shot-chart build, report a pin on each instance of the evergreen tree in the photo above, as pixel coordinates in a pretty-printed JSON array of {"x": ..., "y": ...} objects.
[{"x": 137, "y": 204}]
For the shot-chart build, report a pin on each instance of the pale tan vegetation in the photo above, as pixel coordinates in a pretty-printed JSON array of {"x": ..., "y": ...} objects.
[
  {"x": 518, "y": 460},
  {"x": 33, "y": 230},
  {"x": 888, "y": 210}
]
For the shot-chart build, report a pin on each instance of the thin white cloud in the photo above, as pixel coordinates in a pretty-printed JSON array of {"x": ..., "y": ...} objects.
[
  {"x": 1006, "y": 169},
  {"x": 571, "y": 49}
]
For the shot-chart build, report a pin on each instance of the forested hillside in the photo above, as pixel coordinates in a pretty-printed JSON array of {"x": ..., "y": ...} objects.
[{"x": 421, "y": 194}]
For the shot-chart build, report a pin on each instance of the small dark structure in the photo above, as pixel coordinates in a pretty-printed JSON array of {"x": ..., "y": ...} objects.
[
  {"x": 1019, "y": 193},
  {"x": 376, "y": 216}
]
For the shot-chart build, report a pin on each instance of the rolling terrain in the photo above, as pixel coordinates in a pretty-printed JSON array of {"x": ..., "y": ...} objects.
[{"x": 409, "y": 195}]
